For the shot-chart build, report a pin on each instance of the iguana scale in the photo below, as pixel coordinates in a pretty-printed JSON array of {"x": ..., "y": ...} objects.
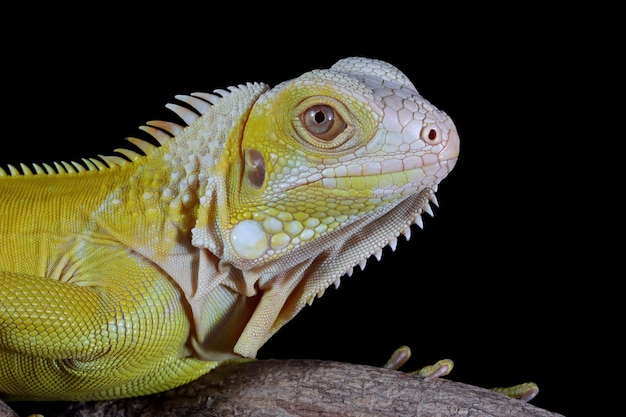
[{"x": 135, "y": 273}]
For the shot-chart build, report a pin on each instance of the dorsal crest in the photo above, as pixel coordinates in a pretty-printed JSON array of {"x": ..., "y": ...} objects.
[{"x": 190, "y": 109}]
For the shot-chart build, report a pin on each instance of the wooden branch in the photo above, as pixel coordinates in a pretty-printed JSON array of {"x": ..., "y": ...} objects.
[
  {"x": 5, "y": 410},
  {"x": 306, "y": 388}
]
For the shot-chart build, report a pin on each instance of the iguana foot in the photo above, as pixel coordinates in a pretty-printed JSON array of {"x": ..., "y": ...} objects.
[
  {"x": 524, "y": 392},
  {"x": 402, "y": 355}
]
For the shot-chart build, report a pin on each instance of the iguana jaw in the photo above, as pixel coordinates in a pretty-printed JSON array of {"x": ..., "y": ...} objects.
[{"x": 283, "y": 295}]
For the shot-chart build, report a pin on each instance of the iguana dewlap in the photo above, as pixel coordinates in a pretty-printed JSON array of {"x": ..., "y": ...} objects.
[{"x": 124, "y": 276}]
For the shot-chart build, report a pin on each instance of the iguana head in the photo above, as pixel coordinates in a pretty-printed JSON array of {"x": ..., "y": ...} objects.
[{"x": 325, "y": 171}]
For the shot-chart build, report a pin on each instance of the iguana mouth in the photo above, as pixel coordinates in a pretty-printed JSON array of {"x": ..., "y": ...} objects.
[{"x": 387, "y": 176}]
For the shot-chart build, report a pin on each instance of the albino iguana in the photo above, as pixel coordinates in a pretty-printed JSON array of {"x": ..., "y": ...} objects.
[{"x": 133, "y": 274}]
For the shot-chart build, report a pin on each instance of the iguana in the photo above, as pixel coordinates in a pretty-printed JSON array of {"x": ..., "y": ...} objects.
[{"x": 134, "y": 273}]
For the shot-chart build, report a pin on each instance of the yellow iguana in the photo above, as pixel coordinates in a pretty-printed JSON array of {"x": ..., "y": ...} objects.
[{"x": 133, "y": 274}]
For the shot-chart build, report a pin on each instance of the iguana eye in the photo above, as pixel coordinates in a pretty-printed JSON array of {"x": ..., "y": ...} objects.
[{"x": 323, "y": 122}]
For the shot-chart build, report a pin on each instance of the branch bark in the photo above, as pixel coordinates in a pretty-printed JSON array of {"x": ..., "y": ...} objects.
[{"x": 306, "y": 388}]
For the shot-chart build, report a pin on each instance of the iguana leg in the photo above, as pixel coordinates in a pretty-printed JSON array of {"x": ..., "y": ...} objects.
[
  {"x": 113, "y": 329},
  {"x": 524, "y": 392},
  {"x": 430, "y": 372},
  {"x": 50, "y": 319}
]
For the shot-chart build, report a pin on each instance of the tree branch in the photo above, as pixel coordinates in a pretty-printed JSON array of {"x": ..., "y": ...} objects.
[{"x": 306, "y": 388}]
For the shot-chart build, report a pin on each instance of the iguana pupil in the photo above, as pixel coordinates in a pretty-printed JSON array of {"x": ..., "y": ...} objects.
[{"x": 323, "y": 122}]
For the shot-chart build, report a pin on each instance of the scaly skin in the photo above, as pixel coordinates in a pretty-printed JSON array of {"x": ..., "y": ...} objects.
[{"x": 122, "y": 278}]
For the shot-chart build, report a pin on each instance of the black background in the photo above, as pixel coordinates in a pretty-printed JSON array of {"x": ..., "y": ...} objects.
[{"x": 491, "y": 282}]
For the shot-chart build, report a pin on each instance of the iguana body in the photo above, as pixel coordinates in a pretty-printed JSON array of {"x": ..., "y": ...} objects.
[{"x": 128, "y": 276}]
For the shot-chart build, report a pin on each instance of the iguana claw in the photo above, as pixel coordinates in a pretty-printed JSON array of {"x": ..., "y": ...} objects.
[
  {"x": 524, "y": 392},
  {"x": 398, "y": 358},
  {"x": 401, "y": 355},
  {"x": 431, "y": 372}
]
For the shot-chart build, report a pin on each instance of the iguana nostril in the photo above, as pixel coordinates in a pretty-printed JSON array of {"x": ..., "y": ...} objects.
[{"x": 255, "y": 167}]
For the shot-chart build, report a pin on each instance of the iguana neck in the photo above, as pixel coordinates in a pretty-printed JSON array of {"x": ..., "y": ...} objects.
[{"x": 170, "y": 190}]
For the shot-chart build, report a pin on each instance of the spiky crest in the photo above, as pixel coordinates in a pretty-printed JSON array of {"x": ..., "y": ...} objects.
[{"x": 194, "y": 106}]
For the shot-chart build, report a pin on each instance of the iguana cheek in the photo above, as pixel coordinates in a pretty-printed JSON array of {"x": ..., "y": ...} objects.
[{"x": 249, "y": 240}]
